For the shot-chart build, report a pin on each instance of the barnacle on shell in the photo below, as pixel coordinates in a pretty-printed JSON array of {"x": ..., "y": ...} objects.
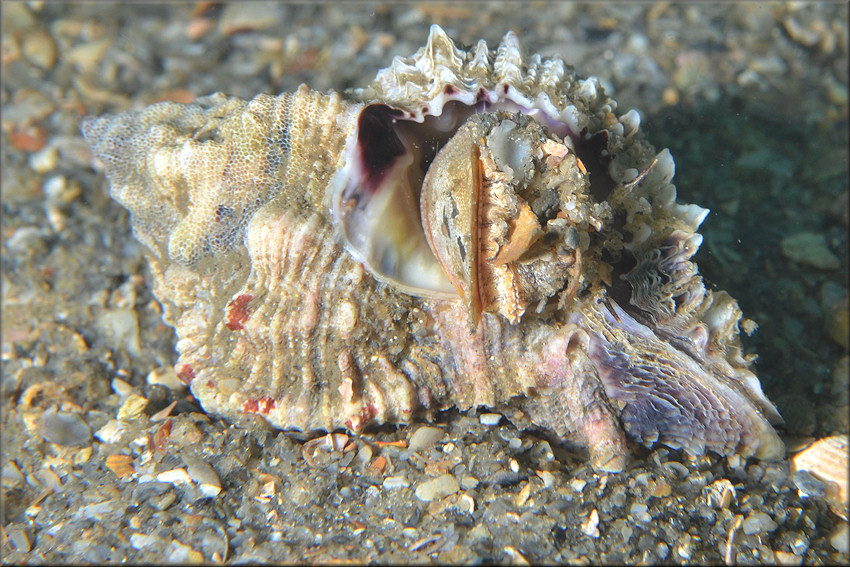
[{"x": 473, "y": 228}]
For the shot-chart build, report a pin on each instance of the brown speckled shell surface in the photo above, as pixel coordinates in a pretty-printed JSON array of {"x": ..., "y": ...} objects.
[{"x": 552, "y": 276}]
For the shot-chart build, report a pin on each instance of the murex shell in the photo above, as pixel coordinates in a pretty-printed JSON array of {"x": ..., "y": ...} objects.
[{"x": 474, "y": 228}]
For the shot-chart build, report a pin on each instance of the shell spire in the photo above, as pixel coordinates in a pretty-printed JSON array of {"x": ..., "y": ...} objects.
[
  {"x": 510, "y": 61},
  {"x": 441, "y": 48}
]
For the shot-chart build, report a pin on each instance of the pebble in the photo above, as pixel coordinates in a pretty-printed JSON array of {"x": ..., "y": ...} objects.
[
  {"x": 548, "y": 478},
  {"x": 20, "y": 539},
  {"x": 40, "y": 49},
  {"x": 468, "y": 482},
  {"x": 17, "y": 16},
  {"x": 758, "y": 522},
  {"x": 769, "y": 65},
  {"x": 87, "y": 56},
  {"x": 163, "y": 501},
  {"x": 840, "y": 538},
  {"x": 165, "y": 376},
  {"x": 424, "y": 438},
  {"x": 774, "y": 475},
  {"x": 64, "y": 428},
  {"x": 523, "y": 495},
  {"x": 400, "y": 481},
  {"x": 27, "y": 240},
  {"x": 29, "y": 107},
  {"x": 203, "y": 475},
  {"x": 490, "y": 419},
  {"x": 251, "y": 16},
  {"x": 466, "y": 503},
  {"x": 122, "y": 388},
  {"x": 755, "y": 473},
  {"x": 111, "y": 432},
  {"x": 410, "y": 533},
  {"x": 542, "y": 451},
  {"x": 119, "y": 328},
  {"x": 364, "y": 455},
  {"x": 838, "y": 326},
  {"x": 121, "y": 465},
  {"x": 132, "y": 407},
  {"x": 625, "y": 528},
  {"x": 590, "y": 527},
  {"x": 173, "y": 476},
  {"x": 94, "y": 511},
  {"x": 48, "y": 479},
  {"x": 437, "y": 488},
  {"x": 808, "y": 485},
  {"x": 810, "y": 249},
  {"x": 504, "y": 478},
  {"x": 618, "y": 496},
  {"x": 787, "y": 559},
  {"x": 662, "y": 489},
  {"x": 639, "y": 512},
  {"x": 181, "y": 554},
  {"x": 144, "y": 541},
  {"x": 11, "y": 475},
  {"x": 44, "y": 160}
]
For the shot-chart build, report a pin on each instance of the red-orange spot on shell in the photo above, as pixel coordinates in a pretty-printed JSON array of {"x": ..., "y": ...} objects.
[
  {"x": 266, "y": 404},
  {"x": 261, "y": 405},
  {"x": 238, "y": 312},
  {"x": 362, "y": 419},
  {"x": 186, "y": 374}
]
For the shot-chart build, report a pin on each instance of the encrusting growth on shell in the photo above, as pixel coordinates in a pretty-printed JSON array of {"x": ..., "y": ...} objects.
[{"x": 474, "y": 228}]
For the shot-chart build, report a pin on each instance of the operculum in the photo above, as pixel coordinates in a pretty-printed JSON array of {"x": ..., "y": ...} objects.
[
  {"x": 450, "y": 215},
  {"x": 478, "y": 206}
]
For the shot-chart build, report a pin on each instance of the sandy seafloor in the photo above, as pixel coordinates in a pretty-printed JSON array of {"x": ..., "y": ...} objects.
[{"x": 750, "y": 98}]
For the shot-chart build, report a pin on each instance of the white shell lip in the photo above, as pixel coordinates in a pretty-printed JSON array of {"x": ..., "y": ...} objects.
[{"x": 440, "y": 72}]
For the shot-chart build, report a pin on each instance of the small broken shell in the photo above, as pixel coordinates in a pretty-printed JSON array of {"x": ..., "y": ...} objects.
[{"x": 827, "y": 460}]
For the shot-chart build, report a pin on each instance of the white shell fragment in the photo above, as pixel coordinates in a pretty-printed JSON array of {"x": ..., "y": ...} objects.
[
  {"x": 475, "y": 228},
  {"x": 827, "y": 460}
]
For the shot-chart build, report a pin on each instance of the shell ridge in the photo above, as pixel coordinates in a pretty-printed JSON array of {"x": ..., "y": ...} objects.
[{"x": 698, "y": 397}]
